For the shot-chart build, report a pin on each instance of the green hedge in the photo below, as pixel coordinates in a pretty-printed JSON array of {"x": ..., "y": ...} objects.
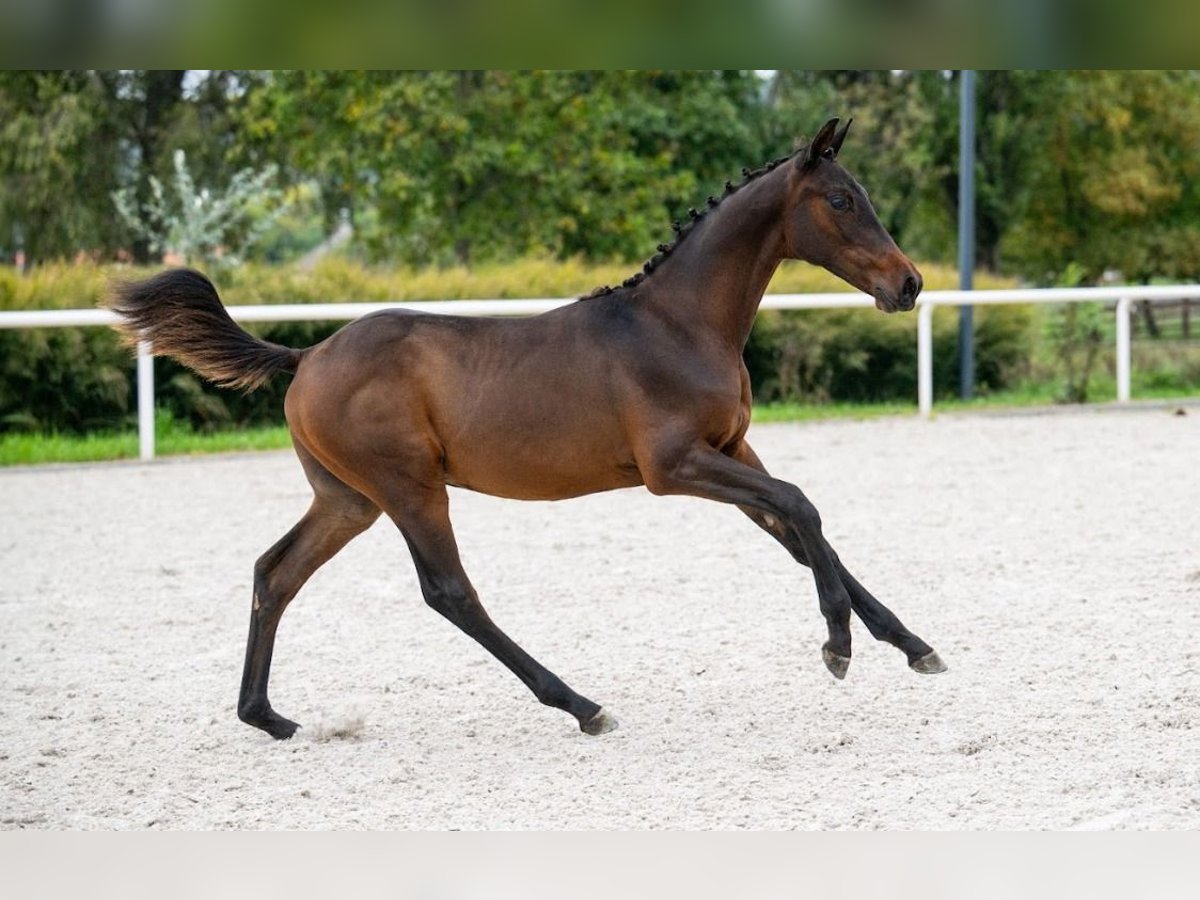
[
  {"x": 63, "y": 379},
  {"x": 860, "y": 355},
  {"x": 76, "y": 380}
]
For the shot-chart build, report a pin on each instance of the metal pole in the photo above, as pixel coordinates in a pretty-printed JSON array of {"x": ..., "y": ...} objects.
[
  {"x": 145, "y": 399},
  {"x": 1123, "y": 307},
  {"x": 966, "y": 231}
]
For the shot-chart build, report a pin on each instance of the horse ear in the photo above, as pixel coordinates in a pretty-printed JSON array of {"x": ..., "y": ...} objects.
[
  {"x": 820, "y": 144},
  {"x": 838, "y": 138}
]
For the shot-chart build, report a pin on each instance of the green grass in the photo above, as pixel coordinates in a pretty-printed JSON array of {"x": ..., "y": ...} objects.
[
  {"x": 177, "y": 439},
  {"x": 807, "y": 412},
  {"x": 1023, "y": 397},
  {"x": 171, "y": 439}
]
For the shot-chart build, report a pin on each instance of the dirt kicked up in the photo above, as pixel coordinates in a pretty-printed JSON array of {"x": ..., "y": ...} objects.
[{"x": 1051, "y": 560}]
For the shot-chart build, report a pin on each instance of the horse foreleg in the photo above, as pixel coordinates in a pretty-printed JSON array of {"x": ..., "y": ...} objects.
[
  {"x": 883, "y": 624},
  {"x": 422, "y": 515},
  {"x": 697, "y": 469}
]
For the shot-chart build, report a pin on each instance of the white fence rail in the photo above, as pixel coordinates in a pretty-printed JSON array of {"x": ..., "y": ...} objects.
[{"x": 307, "y": 312}]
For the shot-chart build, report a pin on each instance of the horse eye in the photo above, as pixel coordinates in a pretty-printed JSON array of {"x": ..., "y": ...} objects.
[{"x": 839, "y": 201}]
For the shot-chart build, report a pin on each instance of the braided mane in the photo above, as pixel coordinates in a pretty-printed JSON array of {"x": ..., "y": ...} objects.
[{"x": 683, "y": 229}]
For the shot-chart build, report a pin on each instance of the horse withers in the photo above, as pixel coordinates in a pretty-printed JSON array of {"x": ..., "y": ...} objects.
[{"x": 639, "y": 384}]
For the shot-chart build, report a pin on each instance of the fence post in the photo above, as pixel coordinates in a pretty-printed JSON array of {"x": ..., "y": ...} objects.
[
  {"x": 1123, "y": 354},
  {"x": 145, "y": 400},
  {"x": 925, "y": 358}
]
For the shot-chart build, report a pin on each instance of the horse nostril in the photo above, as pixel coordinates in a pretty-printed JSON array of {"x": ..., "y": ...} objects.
[{"x": 910, "y": 289}]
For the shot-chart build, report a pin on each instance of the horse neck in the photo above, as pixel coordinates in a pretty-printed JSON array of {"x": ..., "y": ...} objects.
[{"x": 715, "y": 279}]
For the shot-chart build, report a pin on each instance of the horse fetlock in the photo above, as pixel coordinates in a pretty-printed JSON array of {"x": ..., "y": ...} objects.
[{"x": 253, "y": 711}]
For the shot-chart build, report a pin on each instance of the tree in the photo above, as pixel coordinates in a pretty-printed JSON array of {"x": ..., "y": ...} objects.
[
  {"x": 1076, "y": 172},
  {"x": 1112, "y": 160},
  {"x": 201, "y": 224},
  {"x": 457, "y": 166},
  {"x": 69, "y": 139},
  {"x": 148, "y": 97},
  {"x": 59, "y": 156},
  {"x": 1096, "y": 169}
]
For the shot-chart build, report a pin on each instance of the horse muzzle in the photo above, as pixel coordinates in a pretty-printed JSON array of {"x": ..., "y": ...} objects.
[{"x": 901, "y": 298}]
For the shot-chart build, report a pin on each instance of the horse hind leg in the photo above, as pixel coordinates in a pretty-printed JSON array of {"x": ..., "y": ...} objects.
[
  {"x": 422, "y": 515},
  {"x": 337, "y": 514}
]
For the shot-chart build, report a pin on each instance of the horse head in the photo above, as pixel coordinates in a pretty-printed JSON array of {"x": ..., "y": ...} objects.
[{"x": 830, "y": 222}]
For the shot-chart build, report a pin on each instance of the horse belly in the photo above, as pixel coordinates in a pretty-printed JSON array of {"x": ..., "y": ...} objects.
[
  {"x": 539, "y": 462},
  {"x": 545, "y": 484}
]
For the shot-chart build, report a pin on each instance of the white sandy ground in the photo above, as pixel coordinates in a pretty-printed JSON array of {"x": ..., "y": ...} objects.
[{"x": 1054, "y": 561}]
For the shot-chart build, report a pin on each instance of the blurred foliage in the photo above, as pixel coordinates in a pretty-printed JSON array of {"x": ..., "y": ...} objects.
[
  {"x": 71, "y": 139},
  {"x": 458, "y": 167},
  {"x": 1096, "y": 169},
  {"x": 1115, "y": 182},
  {"x": 621, "y": 33},
  {"x": 59, "y": 156},
  {"x": 65, "y": 379},
  {"x": 1077, "y": 333},
  {"x": 336, "y": 279},
  {"x": 452, "y": 168},
  {"x": 838, "y": 355},
  {"x": 203, "y": 227}
]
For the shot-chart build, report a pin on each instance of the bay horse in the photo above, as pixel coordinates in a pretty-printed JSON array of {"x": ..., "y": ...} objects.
[{"x": 642, "y": 384}]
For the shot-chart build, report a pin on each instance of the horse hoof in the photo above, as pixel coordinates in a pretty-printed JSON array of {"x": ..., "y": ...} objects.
[
  {"x": 835, "y": 663},
  {"x": 600, "y": 723},
  {"x": 281, "y": 729},
  {"x": 271, "y": 722},
  {"x": 929, "y": 664}
]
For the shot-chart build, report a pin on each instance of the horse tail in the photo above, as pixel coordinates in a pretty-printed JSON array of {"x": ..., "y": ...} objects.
[{"x": 179, "y": 313}]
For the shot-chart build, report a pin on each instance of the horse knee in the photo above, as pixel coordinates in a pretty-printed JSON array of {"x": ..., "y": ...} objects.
[{"x": 803, "y": 514}]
